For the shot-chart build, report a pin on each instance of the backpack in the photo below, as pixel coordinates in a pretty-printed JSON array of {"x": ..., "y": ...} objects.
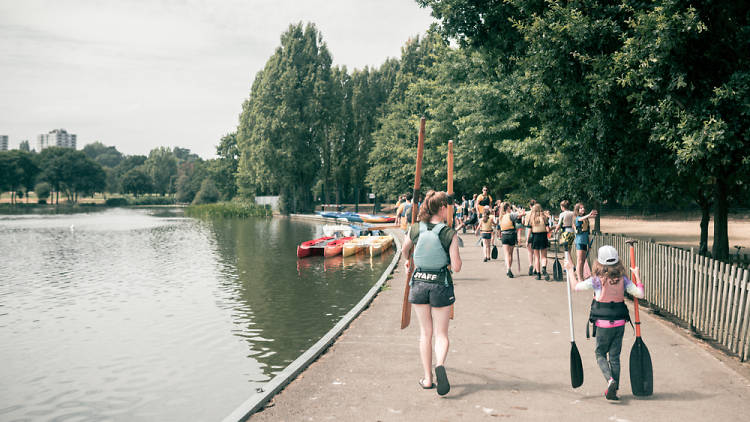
[{"x": 429, "y": 253}]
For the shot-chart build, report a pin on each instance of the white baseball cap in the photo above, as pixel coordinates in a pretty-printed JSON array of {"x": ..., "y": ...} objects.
[{"x": 608, "y": 255}]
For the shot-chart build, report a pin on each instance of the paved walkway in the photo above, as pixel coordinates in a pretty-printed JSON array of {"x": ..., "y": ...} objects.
[{"x": 509, "y": 358}]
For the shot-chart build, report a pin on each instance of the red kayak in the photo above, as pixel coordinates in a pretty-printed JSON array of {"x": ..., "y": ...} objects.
[
  {"x": 313, "y": 247},
  {"x": 334, "y": 248}
]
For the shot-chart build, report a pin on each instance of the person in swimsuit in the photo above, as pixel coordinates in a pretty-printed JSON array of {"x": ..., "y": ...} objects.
[
  {"x": 508, "y": 236},
  {"x": 539, "y": 242},
  {"x": 484, "y": 200},
  {"x": 487, "y": 230}
]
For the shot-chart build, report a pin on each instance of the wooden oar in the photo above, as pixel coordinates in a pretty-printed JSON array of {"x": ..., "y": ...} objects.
[
  {"x": 405, "y": 305},
  {"x": 641, "y": 370},
  {"x": 450, "y": 207},
  {"x": 576, "y": 367}
]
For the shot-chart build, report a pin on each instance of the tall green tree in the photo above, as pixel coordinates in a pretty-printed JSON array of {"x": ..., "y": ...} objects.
[
  {"x": 284, "y": 122},
  {"x": 161, "y": 165},
  {"x": 686, "y": 68}
]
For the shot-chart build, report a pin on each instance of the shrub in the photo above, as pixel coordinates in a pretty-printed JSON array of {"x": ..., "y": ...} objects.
[
  {"x": 207, "y": 194},
  {"x": 42, "y": 191},
  {"x": 117, "y": 202}
]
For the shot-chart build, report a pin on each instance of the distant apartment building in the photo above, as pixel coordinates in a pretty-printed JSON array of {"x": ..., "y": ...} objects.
[
  {"x": 3, "y": 142},
  {"x": 56, "y": 138}
]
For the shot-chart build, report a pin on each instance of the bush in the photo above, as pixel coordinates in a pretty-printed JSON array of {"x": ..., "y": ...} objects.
[
  {"x": 152, "y": 200},
  {"x": 42, "y": 191},
  {"x": 228, "y": 210},
  {"x": 208, "y": 194},
  {"x": 117, "y": 202}
]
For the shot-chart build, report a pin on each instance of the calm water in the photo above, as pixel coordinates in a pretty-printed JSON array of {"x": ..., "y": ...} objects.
[{"x": 138, "y": 315}]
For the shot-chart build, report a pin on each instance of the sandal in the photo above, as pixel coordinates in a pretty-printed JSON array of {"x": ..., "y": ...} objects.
[
  {"x": 443, "y": 386},
  {"x": 421, "y": 384}
]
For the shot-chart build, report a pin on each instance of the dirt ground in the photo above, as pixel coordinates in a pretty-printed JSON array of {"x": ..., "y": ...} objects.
[{"x": 683, "y": 232}]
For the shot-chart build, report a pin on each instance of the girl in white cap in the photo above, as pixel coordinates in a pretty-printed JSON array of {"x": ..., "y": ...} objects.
[{"x": 609, "y": 313}]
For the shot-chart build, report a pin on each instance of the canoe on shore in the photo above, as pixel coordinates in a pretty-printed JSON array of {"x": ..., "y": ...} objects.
[
  {"x": 335, "y": 247},
  {"x": 315, "y": 247}
]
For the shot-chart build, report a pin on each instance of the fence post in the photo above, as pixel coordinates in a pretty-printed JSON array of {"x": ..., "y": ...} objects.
[{"x": 691, "y": 287}]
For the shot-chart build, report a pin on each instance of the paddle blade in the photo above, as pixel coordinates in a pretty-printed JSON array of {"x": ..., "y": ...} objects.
[
  {"x": 494, "y": 252},
  {"x": 641, "y": 371},
  {"x": 576, "y": 367},
  {"x": 557, "y": 270}
]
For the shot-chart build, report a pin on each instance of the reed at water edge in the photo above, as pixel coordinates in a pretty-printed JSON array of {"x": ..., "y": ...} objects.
[{"x": 228, "y": 209}]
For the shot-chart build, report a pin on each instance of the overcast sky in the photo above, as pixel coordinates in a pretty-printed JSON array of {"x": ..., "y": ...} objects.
[{"x": 144, "y": 73}]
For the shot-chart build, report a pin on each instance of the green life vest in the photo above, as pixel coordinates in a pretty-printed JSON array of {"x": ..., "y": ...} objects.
[{"x": 429, "y": 253}]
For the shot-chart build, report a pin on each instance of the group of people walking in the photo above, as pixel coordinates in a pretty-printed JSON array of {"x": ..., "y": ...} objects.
[{"x": 433, "y": 245}]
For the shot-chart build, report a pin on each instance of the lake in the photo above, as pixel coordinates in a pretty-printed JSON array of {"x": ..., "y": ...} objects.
[{"x": 145, "y": 315}]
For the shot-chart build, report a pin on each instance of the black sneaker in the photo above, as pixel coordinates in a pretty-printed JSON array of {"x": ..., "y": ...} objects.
[
  {"x": 538, "y": 276},
  {"x": 611, "y": 393},
  {"x": 531, "y": 270},
  {"x": 510, "y": 274}
]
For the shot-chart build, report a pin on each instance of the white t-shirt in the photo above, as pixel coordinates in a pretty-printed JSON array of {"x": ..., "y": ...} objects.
[{"x": 566, "y": 219}]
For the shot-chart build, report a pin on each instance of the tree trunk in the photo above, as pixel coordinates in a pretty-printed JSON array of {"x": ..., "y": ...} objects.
[
  {"x": 356, "y": 199},
  {"x": 705, "y": 205},
  {"x": 721, "y": 214},
  {"x": 597, "y": 224}
]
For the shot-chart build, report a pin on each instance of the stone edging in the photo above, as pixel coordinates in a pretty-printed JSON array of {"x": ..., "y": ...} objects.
[{"x": 258, "y": 400}]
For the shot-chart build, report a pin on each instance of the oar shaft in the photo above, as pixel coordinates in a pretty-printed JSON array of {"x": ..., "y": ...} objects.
[
  {"x": 635, "y": 299},
  {"x": 405, "y": 305},
  {"x": 570, "y": 301}
]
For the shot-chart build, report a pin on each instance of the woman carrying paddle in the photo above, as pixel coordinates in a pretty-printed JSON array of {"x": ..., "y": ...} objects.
[
  {"x": 508, "y": 234},
  {"x": 539, "y": 242},
  {"x": 486, "y": 230},
  {"x": 608, "y": 311},
  {"x": 582, "y": 225},
  {"x": 435, "y": 257}
]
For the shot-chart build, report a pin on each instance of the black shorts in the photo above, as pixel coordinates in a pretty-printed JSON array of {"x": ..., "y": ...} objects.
[
  {"x": 486, "y": 235},
  {"x": 436, "y": 295},
  {"x": 539, "y": 241},
  {"x": 509, "y": 238}
]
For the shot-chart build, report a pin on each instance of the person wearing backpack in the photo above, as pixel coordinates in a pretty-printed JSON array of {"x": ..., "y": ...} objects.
[{"x": 435, "y": 249}]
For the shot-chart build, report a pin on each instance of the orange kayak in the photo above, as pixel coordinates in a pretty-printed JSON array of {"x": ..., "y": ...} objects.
[{"x": 335, "y": 247}]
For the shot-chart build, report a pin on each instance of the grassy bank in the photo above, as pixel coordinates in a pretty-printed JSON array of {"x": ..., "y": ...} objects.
[{"x": 228, "y": 209}]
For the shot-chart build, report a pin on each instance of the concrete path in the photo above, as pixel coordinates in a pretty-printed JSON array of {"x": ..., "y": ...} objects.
[{"x": 509, "y": 358}]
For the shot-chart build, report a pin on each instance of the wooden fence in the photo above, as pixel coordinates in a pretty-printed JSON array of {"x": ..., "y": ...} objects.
[{"x": 707, "y": 296}]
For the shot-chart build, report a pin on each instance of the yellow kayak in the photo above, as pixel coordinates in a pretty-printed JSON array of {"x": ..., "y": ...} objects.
[
  {"x": 379, "y": 244},
  {"x": 353, "y": 247}
]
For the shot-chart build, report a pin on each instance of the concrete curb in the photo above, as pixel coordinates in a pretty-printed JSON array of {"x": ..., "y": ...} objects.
[{"x": 258, "y": 400}]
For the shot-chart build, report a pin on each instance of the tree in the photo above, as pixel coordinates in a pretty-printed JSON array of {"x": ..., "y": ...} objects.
[
  {"x": 17, "y": 172},
  {"x": 136, "y": 181},
  {"x": 104, "y": 155},
  {"x": 686, "y": 68},
  {"x": 161, "y": 165},
  {"x": 284, "y": 122},
  {"x": 190, "y": 176},
  {"x": 224, "y": 169}
]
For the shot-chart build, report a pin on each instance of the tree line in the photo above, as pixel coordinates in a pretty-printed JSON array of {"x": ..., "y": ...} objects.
[
  {"x": 623, "y": 103},
  {"x": 176, "y": 174}
]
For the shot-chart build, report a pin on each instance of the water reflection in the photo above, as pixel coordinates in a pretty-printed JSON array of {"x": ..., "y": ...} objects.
[{"x": 123, "y": 315}]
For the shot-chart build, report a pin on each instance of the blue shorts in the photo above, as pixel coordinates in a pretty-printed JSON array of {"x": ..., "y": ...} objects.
[{"x": 581, "y": 247}]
